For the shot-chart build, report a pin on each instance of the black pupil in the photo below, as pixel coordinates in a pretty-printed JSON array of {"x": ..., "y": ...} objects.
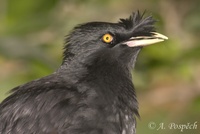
[{"x": 107, "y": 38}]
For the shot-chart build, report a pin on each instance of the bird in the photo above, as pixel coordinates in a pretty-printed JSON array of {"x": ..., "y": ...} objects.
[{"x": 92, "y": 91}]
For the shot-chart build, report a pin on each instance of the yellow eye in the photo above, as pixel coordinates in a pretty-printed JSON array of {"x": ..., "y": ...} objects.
[{"x": 107, "y": 38}]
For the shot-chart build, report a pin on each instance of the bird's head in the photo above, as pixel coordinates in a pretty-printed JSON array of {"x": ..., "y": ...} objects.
[{"x": 121, "y": 41}]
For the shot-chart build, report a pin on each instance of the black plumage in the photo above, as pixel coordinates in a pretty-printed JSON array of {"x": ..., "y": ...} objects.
[{"x": 92, "y": 92}]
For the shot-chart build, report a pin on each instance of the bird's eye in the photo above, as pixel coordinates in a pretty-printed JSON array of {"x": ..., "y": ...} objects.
[{"x": 107, "y": 38}]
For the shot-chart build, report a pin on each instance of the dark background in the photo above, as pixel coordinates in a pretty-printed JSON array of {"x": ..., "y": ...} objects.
[{"x": 166, "y": 76}]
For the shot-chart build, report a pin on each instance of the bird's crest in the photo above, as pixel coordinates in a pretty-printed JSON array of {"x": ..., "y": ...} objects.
[{"x": 138, "y": 23}]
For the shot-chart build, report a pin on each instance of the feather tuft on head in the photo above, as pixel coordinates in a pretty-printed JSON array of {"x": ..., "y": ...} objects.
[{"x": 138, "y": 23}]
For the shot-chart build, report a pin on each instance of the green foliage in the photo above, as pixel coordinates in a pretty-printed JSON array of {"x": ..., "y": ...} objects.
[{"x": 27, "y": 16}]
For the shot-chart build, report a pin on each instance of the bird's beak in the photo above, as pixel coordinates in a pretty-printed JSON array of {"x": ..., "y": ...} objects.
[{"x": 146, "y": 40}]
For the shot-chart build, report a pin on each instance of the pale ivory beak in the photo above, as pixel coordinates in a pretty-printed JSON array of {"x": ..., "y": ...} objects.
[{"x": 146, "y": 40}]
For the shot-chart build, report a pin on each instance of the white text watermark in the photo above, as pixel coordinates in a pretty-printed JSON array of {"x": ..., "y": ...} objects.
[{"x": 173, "y": 126}]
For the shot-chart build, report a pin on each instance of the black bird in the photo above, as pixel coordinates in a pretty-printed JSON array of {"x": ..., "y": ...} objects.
[{"x": 92, "y": 92}]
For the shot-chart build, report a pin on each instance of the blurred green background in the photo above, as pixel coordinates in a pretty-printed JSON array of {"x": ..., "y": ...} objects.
[{"x": 166, "y": 76}]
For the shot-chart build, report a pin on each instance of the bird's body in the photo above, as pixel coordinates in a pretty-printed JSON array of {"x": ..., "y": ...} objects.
[
  {"x": 91, "y": 93},
  {"x": 54, "y": 103}
]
